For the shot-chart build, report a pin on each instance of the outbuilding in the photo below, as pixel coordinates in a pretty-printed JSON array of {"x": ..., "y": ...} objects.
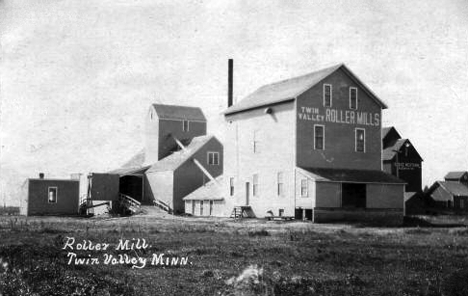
[{"x": 51, "y": 197}]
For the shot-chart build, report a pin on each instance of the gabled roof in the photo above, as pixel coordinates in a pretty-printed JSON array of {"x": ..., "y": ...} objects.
[
  {"x": 290, "y": 89},
  {"x": 452, "y": 188},
  {"x": 136, "y": 161},
  {"x": 176, "y": 159},
  {"x": 179, "y": 112},
  {"x": 130, "y": 171},
  {"x": 211, "y": 191},
  {"x": 352, "y": 176},
  {"x": 386, "y": 130},
  {"x": 454, "y": 175},
  {"x": 390, "y": 152}
]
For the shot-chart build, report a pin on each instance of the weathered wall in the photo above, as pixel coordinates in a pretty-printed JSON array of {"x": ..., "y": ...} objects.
[
  {"x": 105, "y": 186},
  {"x": 174, "y": 128},
  {"x": 67, "y": 197},
  {"x": 217, "y": 209},
  {"x": 307, "y": 202},
  {"x": 374, "y": 216},
  {"x": 339, "y": 149},
  {"x": 328, "y": 194},
  {"x": 151, "y": 137},
  {"x": 381, "y": 196},
  {"x": 162, "y": 186},
  {"x": 188, "y": 177},
  {"x": 275, "y": 138}
]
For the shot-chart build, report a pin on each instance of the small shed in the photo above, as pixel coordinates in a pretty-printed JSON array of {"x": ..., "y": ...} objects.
[
  {"x": 52, "y": 197},
  {"x": 207, "y": 200}
]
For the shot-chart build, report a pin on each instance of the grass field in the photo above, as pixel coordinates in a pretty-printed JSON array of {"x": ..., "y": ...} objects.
[{"x": 248, "y": 257}]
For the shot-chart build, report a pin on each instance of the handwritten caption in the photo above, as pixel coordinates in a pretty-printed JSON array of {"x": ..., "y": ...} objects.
[{"x": 131, "y": 252}]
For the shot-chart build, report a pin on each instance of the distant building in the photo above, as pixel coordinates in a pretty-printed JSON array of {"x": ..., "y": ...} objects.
[
  {"x": 451, "y": 194},
  {"x": 308, "y": 147},
  {"x": 51, "y": 197},
  {"x": 401, "y": 159}
]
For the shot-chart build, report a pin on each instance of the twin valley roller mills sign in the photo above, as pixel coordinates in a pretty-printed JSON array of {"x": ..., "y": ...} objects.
[{"x": 339, "y": 116}]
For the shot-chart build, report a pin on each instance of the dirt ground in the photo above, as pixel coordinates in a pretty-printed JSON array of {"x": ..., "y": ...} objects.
[{"x": 219, "y": 256}]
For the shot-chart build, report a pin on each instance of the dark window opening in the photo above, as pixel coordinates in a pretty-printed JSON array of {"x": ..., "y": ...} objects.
[
  {"x": 231, "y": 186},
  {"x": 319, "y": 137},
  {"x": 360, "y": 140},
  {"x": 327, "y": 95},
  {"x": 353, "y": 98},
  {"x": 185, "y": 125},
  {"x": 353, "y": 195}
]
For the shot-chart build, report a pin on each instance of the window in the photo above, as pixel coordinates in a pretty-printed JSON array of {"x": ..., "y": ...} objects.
[
  {"x": 211, "y": 208},
  {"x": 304, "y": 188},
  {"x": 193, "y": 207},
  {"x": 213, "y": 158},
  {"x": 255, "y": 185},
  {"x": 256, "y": 141},
  {"x": 360, "y": 140},
  {"x": 185, "y": 125},
  {"x": 281, "y": 212},
  {"x": 231, "y": 186},
  {"x": 353, "y": 98},
  {"x": 280, "y": 184},
  {"x": 52, "y": 194},
  {"x": 201, "y": 208},
  {"x": 327, "y": 95},
  {"x": 462, "y": 203},
  {"x": 319, "y": 137}
]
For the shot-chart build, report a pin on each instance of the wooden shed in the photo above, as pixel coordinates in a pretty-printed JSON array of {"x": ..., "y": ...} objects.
[{"x": 51, "y": 197}]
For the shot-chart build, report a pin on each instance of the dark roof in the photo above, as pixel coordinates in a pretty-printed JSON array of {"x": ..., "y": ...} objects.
[
  {"x": 211, "y": 191},
  {"x": 452, "y": 188},
  {"x": 130, "y": 171},
  {"x": 290, "y": 89},
  {"x": 179, "y": 112},
  {"x": 390, "y": 152},
  {"x": 386, "y": 130},
  {"x": 454, "y": 175},
  {"x": 351, "y": 176},
  {"x": 176, "y": 159}
]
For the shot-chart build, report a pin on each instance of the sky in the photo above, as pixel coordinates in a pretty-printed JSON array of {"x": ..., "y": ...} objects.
[{"x": 77, "y": 77}]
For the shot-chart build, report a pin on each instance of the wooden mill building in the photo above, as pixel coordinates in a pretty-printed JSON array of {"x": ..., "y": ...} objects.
[
  {"x": 308, "y": 147},
  {"x": 177, "y": 159}
]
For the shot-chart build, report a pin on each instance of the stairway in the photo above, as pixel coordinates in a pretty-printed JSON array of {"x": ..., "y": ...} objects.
[
  {"x": 129, "y": 204},
  {"x": 242, "y": 212}
]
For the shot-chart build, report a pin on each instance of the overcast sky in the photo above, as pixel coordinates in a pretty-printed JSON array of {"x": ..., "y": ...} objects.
[{"x": 77, "y": 77}]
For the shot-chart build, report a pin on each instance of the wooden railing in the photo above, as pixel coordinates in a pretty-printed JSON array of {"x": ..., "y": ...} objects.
[
  {"x": 161, "y": 204},
  {"x": 129, "y": 203}
]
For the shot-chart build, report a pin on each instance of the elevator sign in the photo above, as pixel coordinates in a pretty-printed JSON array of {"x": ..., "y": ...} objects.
[{"x": 339, "y": 116}]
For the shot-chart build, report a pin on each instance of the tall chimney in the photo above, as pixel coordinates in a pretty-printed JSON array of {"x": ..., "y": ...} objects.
[{"x": 230, "y": 80}]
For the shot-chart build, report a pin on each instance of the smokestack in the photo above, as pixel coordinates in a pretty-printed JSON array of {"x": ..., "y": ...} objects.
[
  {"x": 230, "y": 80},
  {"x": 41, "y": 175}
]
